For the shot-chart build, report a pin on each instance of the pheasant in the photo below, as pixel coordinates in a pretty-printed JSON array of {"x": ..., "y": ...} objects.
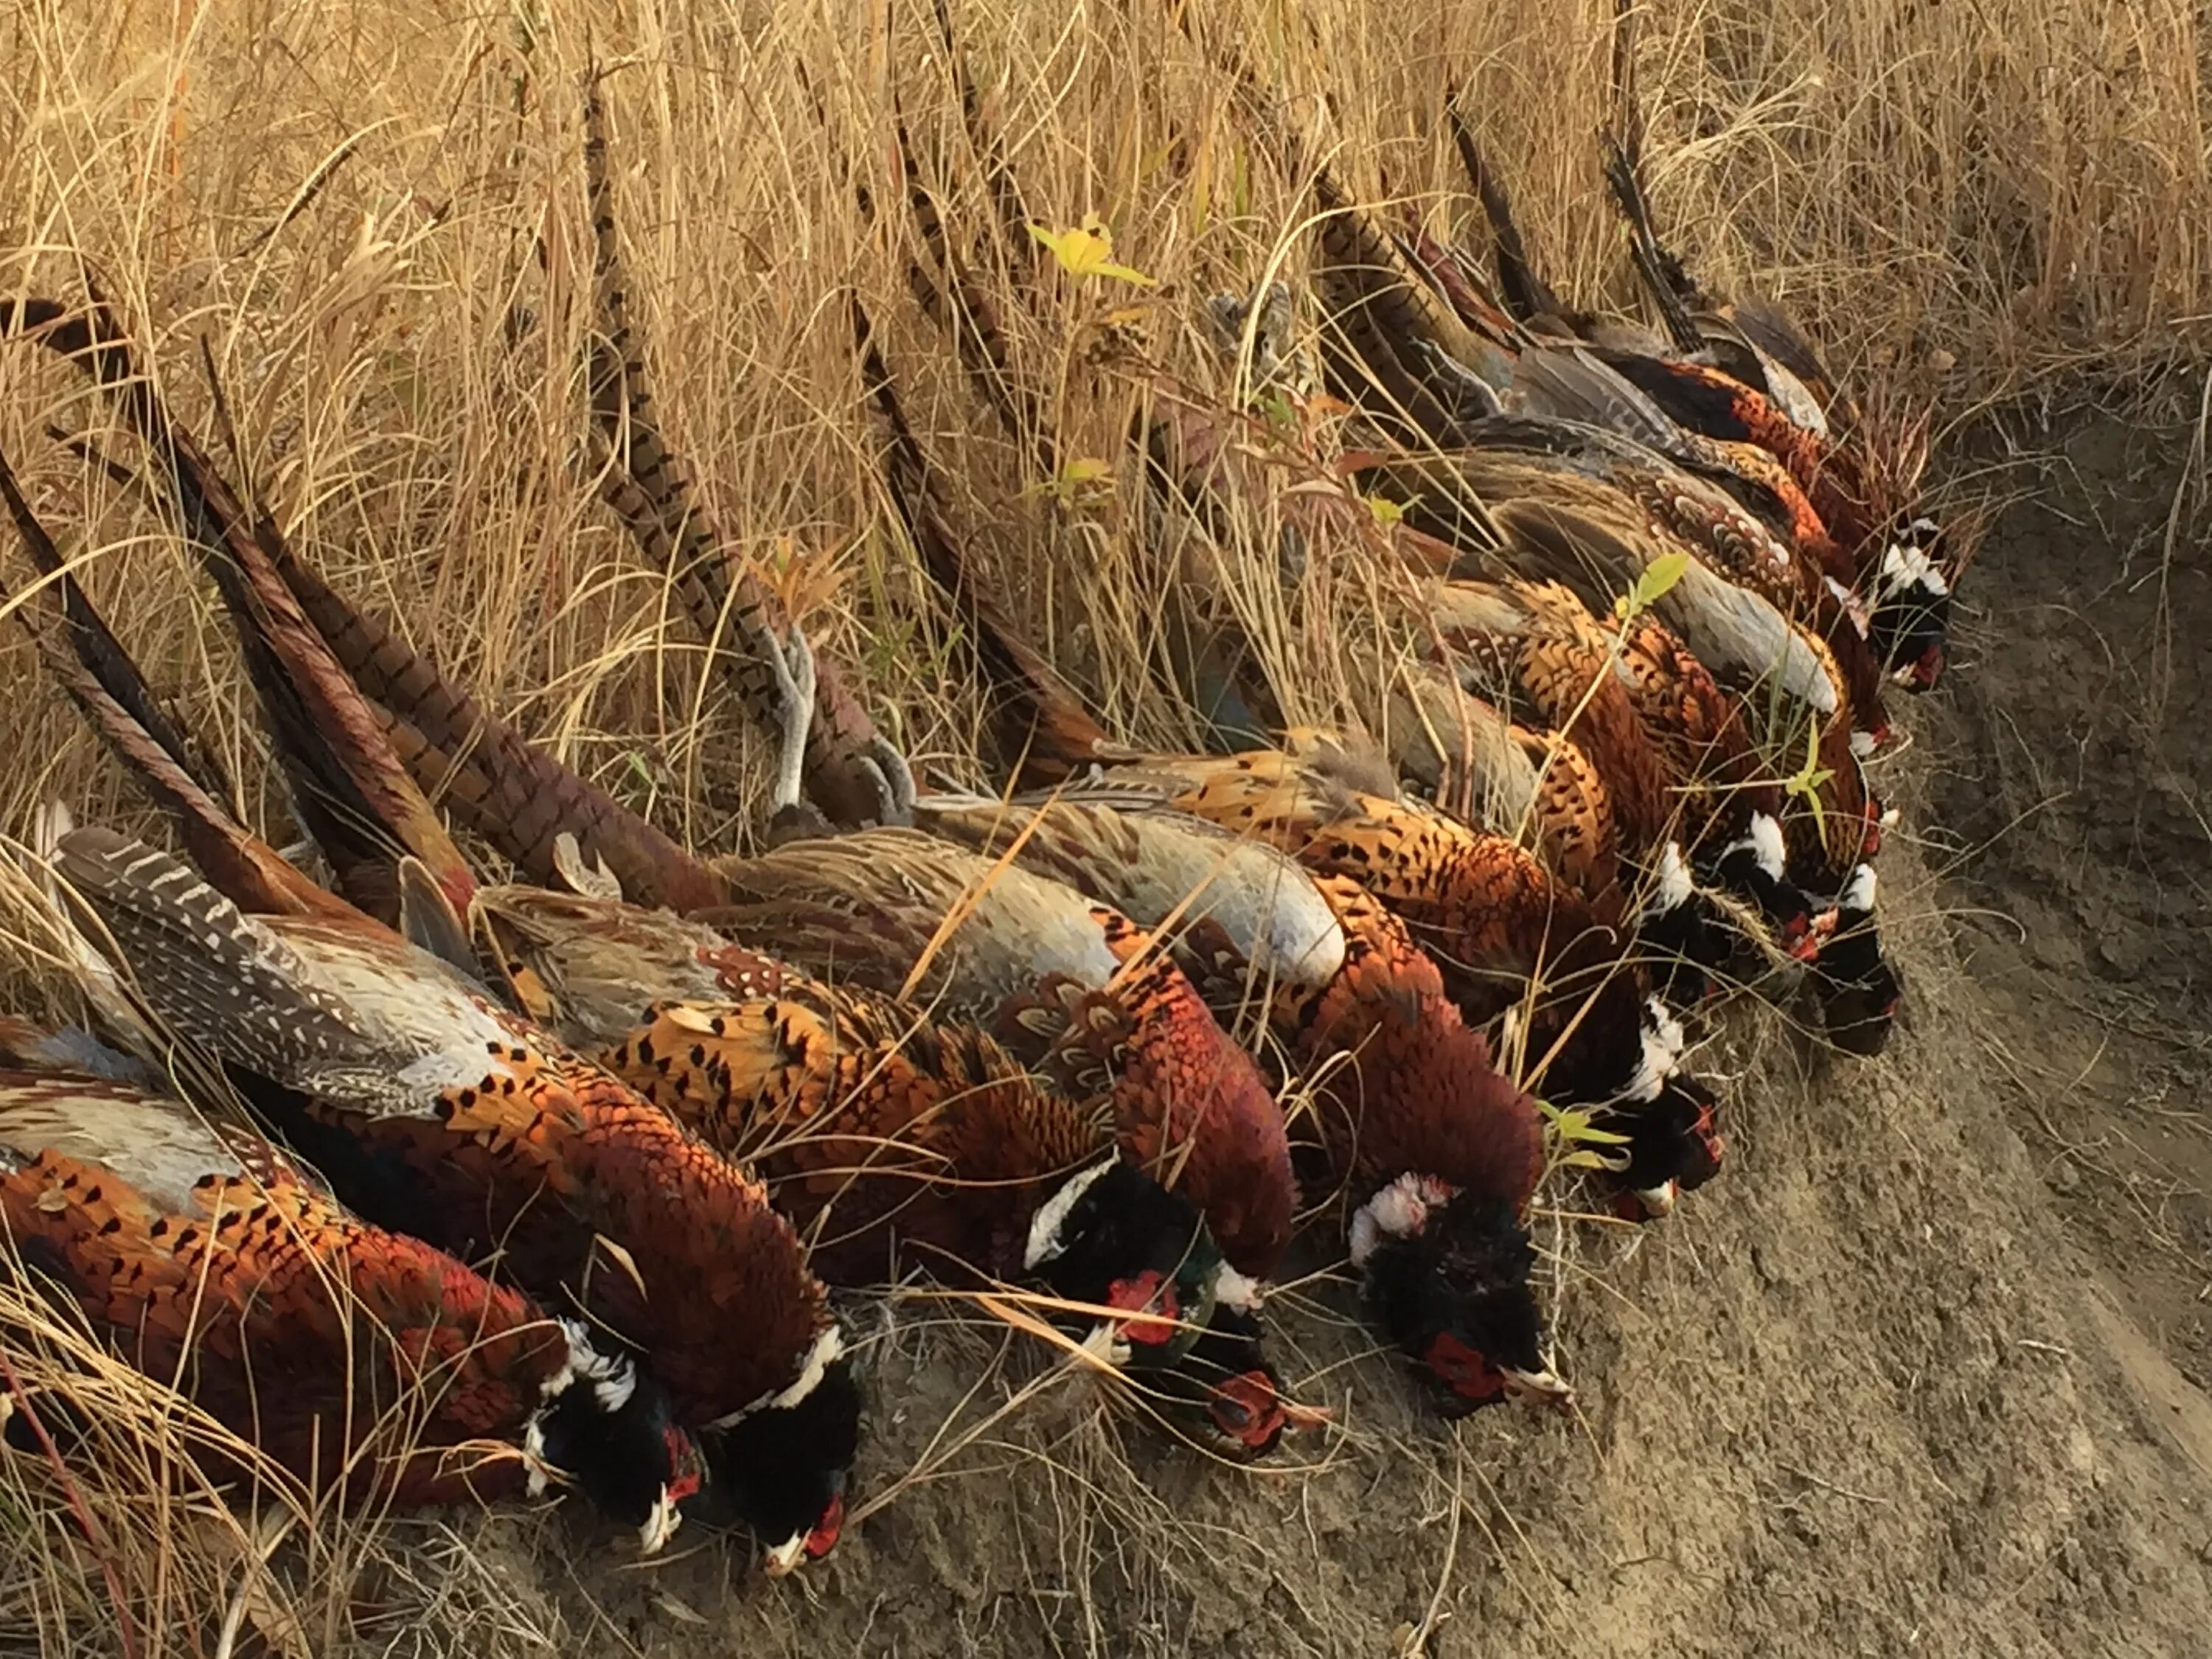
[
  {"x": 891, "y": 1137},
  {"x": 1741, "y": 377},
  {"x": 1542, "y": 644},
  {"x": 1487, "y": 911},
  {"x": 1900, "y": 560},
  {"x": 1407, "y": 1093},
  {"x": 790, "y": 1049},
  {"x": 1073, "y": 988},
  {"x": 202, "y": 1256},
  {"x": 1781, "y": 848},
  {"x": 435, "y": 1112},
  {"x": 1734, "y": 541},
  {"x": 429, "y": 1107}
]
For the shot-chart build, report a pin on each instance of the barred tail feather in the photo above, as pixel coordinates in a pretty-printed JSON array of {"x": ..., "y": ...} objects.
[
  {"x": 208, "y": 971},
  {"x": 648, "y": 490},
  {"x": 1040, "y": 720},
  {"x": 504, "y": 787}
]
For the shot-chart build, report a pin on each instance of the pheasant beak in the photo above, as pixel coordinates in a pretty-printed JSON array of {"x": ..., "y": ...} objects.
[
  {"x": 1804, "y": 944},
  {"x": 659, "y": 1525},
  {"x": 778, "y": 1562},
  {"x": 1658, "y": 1202},
  {"x": 1541, "y": 1388}
]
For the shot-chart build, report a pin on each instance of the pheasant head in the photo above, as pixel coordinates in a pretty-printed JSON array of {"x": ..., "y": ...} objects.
[{"x": 1447, "y": 1274}]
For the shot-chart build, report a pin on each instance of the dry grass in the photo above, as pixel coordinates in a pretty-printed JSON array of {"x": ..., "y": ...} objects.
[{"x": 374, "y": 214}]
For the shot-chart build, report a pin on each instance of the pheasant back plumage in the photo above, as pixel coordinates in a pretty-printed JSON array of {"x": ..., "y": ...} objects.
[
  {"x": 1076, "y": 991},
  {"x": 292, "y": 1324},
  {"x": 431, "y": 1109},
  {"x": 1419, "y": 1092},
  {"x": 869, "y": 1120}
]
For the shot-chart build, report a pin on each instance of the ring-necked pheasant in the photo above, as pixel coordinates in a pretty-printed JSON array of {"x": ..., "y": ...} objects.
[
  {"x": 427, "y": 1106},
  {"x": 1900, "y": 560},
  {"x": 1407, "y": 1093},
  {"x": 203, "y": 1257},
  {"x": 890, "y": 1136},
  {"x": 1073, "y": 988},
  {"x": 767, "y": 1047},
  {"x": 431, "y": 1109},
  {"x": 1766, "y": 391},
  {"x": 1672, "y": 753},
  {"x": 1486, "y": 910},
  {"x": 1783, "y": 846},
  {"x": 1518, "y": 513}
]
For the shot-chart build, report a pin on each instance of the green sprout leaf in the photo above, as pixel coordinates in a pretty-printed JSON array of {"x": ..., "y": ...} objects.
[
  {"x": 1653, "y": 583},
  {"x": 1805, "y": 783}
]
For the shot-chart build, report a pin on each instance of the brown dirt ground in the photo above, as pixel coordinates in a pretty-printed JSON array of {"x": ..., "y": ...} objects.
[{"x": 1922, "y": 1375}]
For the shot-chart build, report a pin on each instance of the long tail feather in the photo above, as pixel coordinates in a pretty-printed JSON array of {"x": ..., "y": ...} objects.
[
  {"x": 1039, "y": 720},
  {"x": 207, "y": 970},
  {"x": 1669, "y": 285},
  {"x": 100, "y": 677},
  {"x": 649, "y": 490},
  {"x": 347, "y": 786},
  {"x": 101, "y": 654},
  {"x": 505, "y": 789},
  {"x": 1527, "y": 294}
]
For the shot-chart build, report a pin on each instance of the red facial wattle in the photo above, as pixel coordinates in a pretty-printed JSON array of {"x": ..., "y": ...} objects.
[
  {"x": 1152, "y": 1299},
  {"x": 1928, "y": 668},
  {"x": 823, "y": 1538},
  {"x": 1462, "y": 1369},
  {"x": 683, "y": 1462},
  {"x": 1246, "y": 1408}
]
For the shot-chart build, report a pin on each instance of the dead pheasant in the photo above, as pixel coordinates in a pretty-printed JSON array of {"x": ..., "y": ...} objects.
[
  {"x": 201, "y": 1254},
  {"x": 1673, "y": 752},
  {"x": 893, "y": 1138},
  {"x": 774, "y": 1063},
  {"x": 1073, "y": 986},
  {"x": 427, "y": 1106},
  {"x": 1735, "y": 543},
  {"x": 1486, "y": 910},
  {"x": 1741, "y": 377},
  {"x": 1407, "y": 1093},
  {"x": 434, "y": 1111},
  {"x": 1782, "y": 844}
]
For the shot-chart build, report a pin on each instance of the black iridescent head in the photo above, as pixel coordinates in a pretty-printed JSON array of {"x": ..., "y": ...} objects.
[
  {"x": 1754, "y": 868},
  {"x": 1857, "y": 987},
  {"x": 1674, "y": 1145},
  {"x": 611, "y": 1430},
  {"x": 1911, "y": 621},
  {"x": 781, "y": 1469},
  {"x": 1447, "y": 1279},
  {"x": 1113, "y": 1237}
]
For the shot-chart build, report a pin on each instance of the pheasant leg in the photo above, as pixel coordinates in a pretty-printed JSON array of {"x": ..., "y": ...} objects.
[{"x": 793, "y": 668}]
